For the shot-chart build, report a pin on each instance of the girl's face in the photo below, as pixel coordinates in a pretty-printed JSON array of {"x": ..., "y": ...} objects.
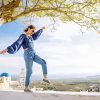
[{"x": 30, "y": 31}]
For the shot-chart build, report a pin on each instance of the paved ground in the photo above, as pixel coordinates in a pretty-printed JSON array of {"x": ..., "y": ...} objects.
[{"x": 48, "y": 95}]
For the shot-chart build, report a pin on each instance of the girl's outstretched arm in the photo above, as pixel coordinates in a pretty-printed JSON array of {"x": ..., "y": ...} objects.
[
  {"x": 37, "y": 34},
  {"x": 15, "y": 46}
]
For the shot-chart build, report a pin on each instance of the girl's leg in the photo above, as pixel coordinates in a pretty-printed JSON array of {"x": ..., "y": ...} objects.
[
  {"x": 42, "y": 62},
  {"x": 28, "y": 63}
]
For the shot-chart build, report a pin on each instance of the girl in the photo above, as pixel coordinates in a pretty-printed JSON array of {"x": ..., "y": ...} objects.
[{"x": 26, "y": 40}]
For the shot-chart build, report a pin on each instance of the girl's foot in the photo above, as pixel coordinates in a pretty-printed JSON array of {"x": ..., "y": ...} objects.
[
  {"x": 27, "y": 90},
  {"x": 46, "y": 80}
]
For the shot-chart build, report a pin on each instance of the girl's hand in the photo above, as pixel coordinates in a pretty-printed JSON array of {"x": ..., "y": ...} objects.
[
  {"x": 43, "y": 28},
  {"x": 3, "y": 51}
]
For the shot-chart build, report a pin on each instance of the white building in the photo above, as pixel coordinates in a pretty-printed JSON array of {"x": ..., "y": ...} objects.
[
  {"x": 5, "y": 81},
  {"x": 22, "y": 79}
]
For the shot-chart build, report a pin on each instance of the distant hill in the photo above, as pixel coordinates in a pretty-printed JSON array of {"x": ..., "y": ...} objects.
[
  {"x": 69, "y": 77},
  {"x": 96, "y": 77},
  {"x": 55, "y": 77}
]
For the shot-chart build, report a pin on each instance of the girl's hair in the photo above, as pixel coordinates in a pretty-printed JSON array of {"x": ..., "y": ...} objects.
[{"x": 30, "y": 26}]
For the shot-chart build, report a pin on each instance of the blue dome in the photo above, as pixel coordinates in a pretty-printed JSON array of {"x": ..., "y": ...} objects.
[{"x": 4, "y": 75}]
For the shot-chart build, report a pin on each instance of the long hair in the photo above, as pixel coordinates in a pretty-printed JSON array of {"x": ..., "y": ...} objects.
[{"x": 30, "y": 26}]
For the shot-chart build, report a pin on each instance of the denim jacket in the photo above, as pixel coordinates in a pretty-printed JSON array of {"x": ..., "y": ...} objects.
[{"x": 22, "y": 41}]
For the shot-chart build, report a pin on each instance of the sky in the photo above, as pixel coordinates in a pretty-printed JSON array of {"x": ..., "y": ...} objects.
[{"x": 65, "y": 49}]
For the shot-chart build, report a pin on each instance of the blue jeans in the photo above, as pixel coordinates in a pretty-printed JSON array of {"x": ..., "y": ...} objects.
[{"x": 29, "y": 57}]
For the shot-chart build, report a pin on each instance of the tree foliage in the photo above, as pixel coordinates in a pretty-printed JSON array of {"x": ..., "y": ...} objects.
[{"x": 82, "y": 12}]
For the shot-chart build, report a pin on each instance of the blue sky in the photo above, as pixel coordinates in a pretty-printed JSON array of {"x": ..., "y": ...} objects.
[{"x": 66, "y": 50}]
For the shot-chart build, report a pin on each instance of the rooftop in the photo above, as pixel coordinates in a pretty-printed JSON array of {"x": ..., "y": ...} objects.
[{"x": 4, "y": 75}]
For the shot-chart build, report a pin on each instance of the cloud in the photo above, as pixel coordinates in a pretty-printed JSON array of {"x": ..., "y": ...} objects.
[{"x": 65, "y": 50}]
